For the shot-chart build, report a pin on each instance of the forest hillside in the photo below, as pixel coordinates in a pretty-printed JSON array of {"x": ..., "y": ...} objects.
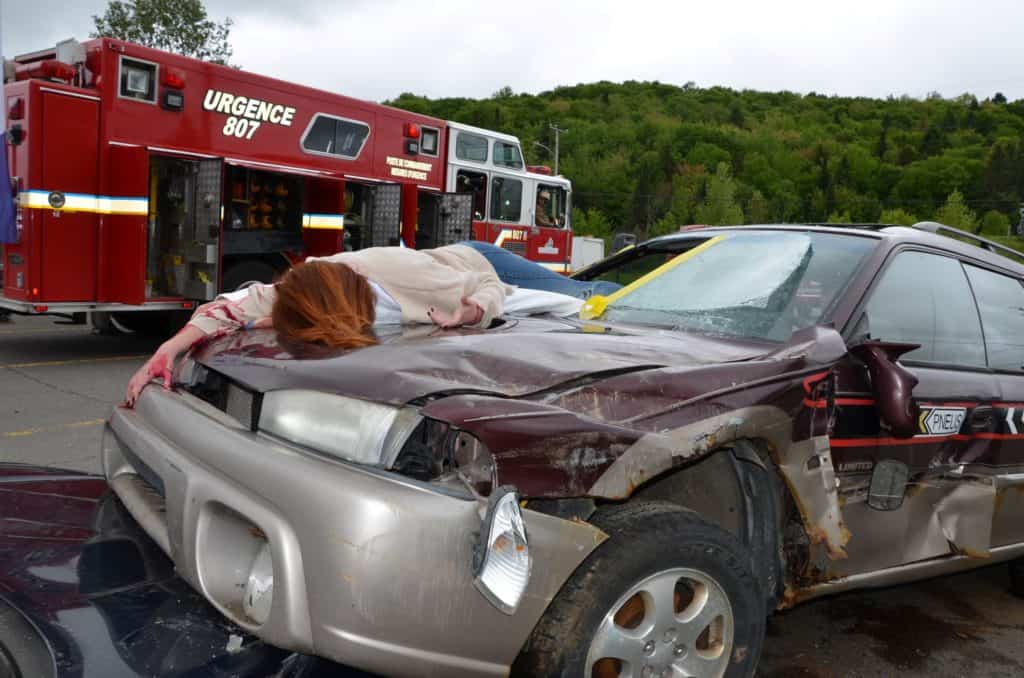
[{"x": 648, "y": 157}]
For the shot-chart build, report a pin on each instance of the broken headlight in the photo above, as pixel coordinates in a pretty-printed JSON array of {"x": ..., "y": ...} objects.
[
  {"x": 501, "y": 559},
  {"x": 354, "y": 430},
  {"x": 474, "y": 464}
]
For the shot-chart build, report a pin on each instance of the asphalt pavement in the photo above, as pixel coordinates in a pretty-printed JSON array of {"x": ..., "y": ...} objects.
[{"x": 58, "y": 383}]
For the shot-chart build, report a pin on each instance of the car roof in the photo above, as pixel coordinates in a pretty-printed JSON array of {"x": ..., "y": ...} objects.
[{"x": 923, "y": 233}]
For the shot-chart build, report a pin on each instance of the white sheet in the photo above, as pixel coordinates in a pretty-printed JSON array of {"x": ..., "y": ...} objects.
[{"x": 532, "y": 302}]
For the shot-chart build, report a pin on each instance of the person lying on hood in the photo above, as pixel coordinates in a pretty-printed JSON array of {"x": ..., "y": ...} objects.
[{"x": 335, "y": 301}]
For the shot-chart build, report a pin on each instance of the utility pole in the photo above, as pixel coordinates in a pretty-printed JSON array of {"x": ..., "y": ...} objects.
[{"x": 558, "y": 131}]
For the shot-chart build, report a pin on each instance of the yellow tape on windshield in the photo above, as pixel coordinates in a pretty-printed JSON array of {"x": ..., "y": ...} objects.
[{"x": 596, "y": 305}]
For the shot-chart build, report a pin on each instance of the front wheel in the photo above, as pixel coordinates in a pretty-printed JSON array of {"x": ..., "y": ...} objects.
[{"x": 668, "y": 594}]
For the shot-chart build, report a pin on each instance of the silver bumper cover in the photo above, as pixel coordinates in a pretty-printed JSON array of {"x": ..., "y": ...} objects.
[{"x": 370, "y": 569}]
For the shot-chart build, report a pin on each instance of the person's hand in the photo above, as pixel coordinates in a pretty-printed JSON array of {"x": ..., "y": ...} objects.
[
  {"x": 159, "y": 366},
  {"x": 468, "y": 313}
]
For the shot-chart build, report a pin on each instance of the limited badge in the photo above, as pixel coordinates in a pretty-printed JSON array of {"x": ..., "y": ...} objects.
[
  {"x": 56, "y": 199},
  {"x": 941, "y": 421}
]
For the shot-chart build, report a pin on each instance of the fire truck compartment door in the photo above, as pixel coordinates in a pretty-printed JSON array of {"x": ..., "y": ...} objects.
[
  {"x": 203, "y": 257},
  {"x": 456, "y": 218},
  {"x": 70, "y": 176},
  {"x": 386, "y": 217},
  {"x": 123, "y": 230}
]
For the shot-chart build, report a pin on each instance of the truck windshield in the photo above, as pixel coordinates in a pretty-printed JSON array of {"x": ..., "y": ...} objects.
[{"x": 763, "y": 285}]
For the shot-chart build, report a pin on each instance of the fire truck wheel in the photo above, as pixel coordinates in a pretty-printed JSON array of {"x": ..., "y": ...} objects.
[
  {"x": 245, "y": 273},
  {"x": 103, "y": 323}
]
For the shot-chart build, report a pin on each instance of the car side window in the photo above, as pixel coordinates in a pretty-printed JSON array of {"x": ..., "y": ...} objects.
[
  {"x": 925, "y": 299},
  {"x": 1001, "y": 303},
  {"x": 636, "y": 268}
]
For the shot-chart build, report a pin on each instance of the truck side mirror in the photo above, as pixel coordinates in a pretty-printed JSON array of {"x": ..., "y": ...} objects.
[{"x": 892, "y": 385}]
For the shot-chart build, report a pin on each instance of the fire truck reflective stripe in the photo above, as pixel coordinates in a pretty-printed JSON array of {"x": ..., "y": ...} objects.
[
  {"x": 80, "y": 202},
  {"x": 330, "y": 221},
  {"x": 505, "y": 234}
]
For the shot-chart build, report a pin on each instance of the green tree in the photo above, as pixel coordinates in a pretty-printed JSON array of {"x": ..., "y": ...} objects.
[
  {"x": 956, "y": 213},
  {"x": 179, "y": 26},
  {"x": 757, "y": 209},
  {"x": 591, "y": 222},
  {"x": 720, "y": 208},
  {"x": 897, "y": 216},
  {"x": 840, "y": 218},
  {"x": 994, "y": 223}
]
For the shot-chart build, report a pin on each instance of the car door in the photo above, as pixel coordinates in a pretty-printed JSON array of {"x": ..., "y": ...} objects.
[
  {"x": 1000, "y": 300},
  {"x": 920, "y": 297}
]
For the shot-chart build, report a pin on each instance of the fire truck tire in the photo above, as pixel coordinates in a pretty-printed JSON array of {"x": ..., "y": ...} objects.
[
  {"x": 245, "y": 273},
  {"x": 103, "y": 323}
]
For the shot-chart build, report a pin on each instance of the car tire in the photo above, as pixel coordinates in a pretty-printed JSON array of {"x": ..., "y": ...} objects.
[
  {"x": 610, "y": 602},
  {"x": 1017, "y": 577},
  {"x": 244, "y": 273}
]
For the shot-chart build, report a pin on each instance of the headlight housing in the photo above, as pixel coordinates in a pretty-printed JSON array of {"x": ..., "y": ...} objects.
[
  {"x": 475, "y": 464},
  {"x": 354, "y": 430},
  {"x": 501, "y": 559}
]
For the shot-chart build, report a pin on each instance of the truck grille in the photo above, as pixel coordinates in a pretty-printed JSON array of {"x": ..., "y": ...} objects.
[{"x": 517, "y": 247}]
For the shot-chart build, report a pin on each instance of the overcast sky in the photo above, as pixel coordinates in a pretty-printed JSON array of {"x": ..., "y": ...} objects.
[{"x": 377, "y": 49}]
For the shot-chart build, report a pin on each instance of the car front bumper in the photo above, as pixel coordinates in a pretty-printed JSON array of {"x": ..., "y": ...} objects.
[{"x": 371, "y": 569}]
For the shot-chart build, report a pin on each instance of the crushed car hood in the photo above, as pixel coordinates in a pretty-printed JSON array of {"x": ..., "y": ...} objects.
[{"x": 521, "y": 357}]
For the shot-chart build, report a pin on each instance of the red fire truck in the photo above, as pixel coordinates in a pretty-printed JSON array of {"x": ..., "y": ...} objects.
[{"x": 149, "y": 181}]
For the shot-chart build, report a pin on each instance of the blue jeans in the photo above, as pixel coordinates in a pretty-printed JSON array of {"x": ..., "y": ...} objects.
[{"x": 515, "y": 270}]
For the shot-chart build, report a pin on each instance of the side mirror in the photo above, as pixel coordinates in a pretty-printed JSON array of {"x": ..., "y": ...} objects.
[
  {"x": 888, "y": 485},
  {"x": 623, "y": 240},
  {"x": 892, "y": 385}
]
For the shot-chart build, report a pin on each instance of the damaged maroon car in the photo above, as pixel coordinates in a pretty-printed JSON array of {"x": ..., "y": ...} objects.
[{"x": 761, "y": 415}]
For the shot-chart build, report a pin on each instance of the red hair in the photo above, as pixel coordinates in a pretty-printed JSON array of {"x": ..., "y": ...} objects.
[{"x": 323, "y": 303}]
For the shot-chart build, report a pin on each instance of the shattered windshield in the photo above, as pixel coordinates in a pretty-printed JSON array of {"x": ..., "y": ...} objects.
[{"x": 763, "y": 285}]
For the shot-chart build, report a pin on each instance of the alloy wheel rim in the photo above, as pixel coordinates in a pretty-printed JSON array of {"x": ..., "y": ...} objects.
[{"x": 677, "y": 623}]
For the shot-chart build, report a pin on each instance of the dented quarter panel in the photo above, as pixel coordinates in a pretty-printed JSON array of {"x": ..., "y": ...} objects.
[{"x": 609, "y": 437}]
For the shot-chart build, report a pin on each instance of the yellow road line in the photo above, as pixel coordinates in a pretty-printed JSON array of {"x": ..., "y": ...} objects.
[
  {"x": 80, "y": 361},
  {"x": 38, "y": 331},
  {"x": 49, "y": 429}
]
